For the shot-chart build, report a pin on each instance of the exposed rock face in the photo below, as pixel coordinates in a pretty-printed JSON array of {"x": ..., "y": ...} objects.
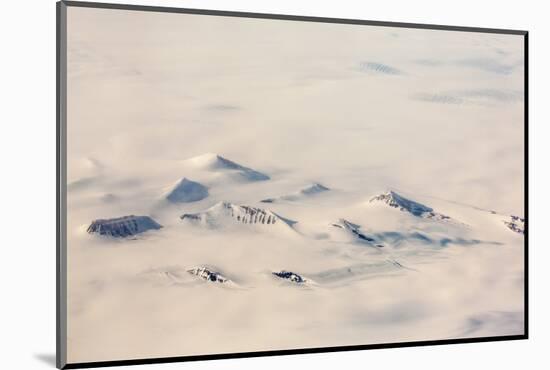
[
  {"x": 395, "y": 200},
  {"x": 354, "y": 230},
  {"x": 208, "y": 275},
  {"x": 123, "y": 226},
  {"x": 252, "y": 215},
  {"x": 290, "y": 276},
  {"x": 187, "y": 191},
  {"x": 269, "y": 200},
  {"x": 516, "y": 224},
  {"x": 236, "y": 213}
]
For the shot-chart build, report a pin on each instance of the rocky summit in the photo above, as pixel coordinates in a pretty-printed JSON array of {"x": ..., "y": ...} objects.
[
  {"x": 290, "y": 276},
  {"x": 123, "y": 227},
  {"x": 223, "y": 212},
  {"x": 354, "y": 230},
  {"x": 187, "y": 191},
  {"x": 516, "y": 224},
  {"x": 208, "y": 275},
  {"x": 392, "y": 199}
]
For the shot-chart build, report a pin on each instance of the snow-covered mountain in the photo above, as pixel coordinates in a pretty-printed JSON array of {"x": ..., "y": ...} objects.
[
  {"x": 392, "y": 199},
  {"x": 122, "y": 227},
  {"x": 372, "y": 251},
  {"x": 276, "y": 124},
  {"x": 353, "y": 232},
  {"x": 216, "y": 163},
  {"x": 226, "y": 214},
  {"x": 186, "y": 191},
  {"x": 308, "y": 191}
]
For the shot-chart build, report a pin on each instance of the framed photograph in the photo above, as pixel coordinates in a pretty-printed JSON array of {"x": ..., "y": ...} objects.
[{"x": 239, "y": 184}]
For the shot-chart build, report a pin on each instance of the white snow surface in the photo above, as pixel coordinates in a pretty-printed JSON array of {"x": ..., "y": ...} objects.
[
  {"x": 434, "y": 116},
  {"x": 217, "y": 163}
]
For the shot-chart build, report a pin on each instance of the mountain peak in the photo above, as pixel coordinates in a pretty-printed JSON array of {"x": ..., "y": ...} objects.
[
  {"x": 308, "y": 191},
  {"x": 354, "y": 230},
  {"x": 122, "y": 227},
  {"x": 395, "y": 200},
  {"x": 224, "y": 212},
  {"x": 186, "y": 191},
  {"x": 314, "y": 189},
  {"x": 215, "y": 162}
]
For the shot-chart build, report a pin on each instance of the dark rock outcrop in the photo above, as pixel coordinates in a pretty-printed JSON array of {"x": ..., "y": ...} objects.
[
  {"x": 395, "y": 200},
  {"x": 516, "y": 224},
  {"x": 208, "y": 275},
  {"x": 123, "y": 227},
  {"x": 237, "y": 213},
  {"x": 290, "y": 276}
]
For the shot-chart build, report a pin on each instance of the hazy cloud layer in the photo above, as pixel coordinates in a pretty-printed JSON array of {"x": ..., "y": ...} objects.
[
  {"x": 379, "y": 68},
  {"x": 357, "y": 109}
]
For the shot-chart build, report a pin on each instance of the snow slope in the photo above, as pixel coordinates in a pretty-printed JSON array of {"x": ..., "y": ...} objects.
[
  {"x": 187, "y": 191},
  {"x": 434, "y": 116},
  {"x": 216, "y": 163}
]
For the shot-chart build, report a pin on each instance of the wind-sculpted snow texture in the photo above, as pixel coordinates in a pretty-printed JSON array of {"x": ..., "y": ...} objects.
[
  {"x": 216, "y": 163},
  {"x": 266, "y": 150}
]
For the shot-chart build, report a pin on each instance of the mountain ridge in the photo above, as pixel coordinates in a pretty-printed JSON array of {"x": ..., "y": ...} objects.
[
  {"x": 215, "y": 162},
  {"x": 394, "y": 200},
  {"x": 186, "y": 191}
]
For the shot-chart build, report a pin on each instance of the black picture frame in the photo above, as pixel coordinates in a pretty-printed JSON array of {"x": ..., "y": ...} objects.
[{"x": 61, "y": 188}]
